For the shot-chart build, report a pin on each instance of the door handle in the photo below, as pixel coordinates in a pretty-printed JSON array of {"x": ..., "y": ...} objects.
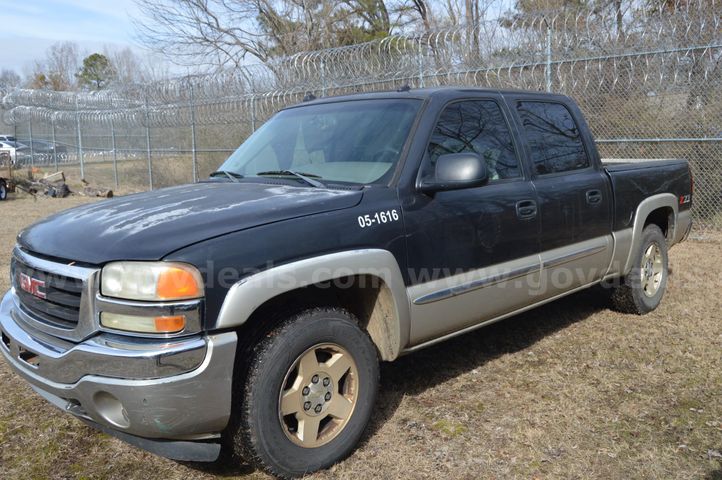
[
  {"x": 526, "y": 209},
  {"x": 594, "y": 197}
]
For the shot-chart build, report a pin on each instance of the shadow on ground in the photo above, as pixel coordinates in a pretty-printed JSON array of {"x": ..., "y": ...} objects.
[
  {"x": 715, "y": 475},
  {"x": 417, "y": 372}
]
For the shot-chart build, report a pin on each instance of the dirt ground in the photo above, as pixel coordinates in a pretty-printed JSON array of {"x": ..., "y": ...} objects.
[{"x": 570, "y": 390}]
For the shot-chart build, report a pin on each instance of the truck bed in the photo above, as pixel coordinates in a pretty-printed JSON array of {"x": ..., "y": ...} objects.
[{"x": 634, "y": 180}]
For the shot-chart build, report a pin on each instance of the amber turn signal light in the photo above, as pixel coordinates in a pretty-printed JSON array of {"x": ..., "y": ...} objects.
[
  {"x": 177, "y": 282},
  {"x": 133, "y": 323},
  {"x": 170, "y": 324}
]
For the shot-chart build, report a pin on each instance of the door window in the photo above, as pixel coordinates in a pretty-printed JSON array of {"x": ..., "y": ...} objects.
[
  {"x": 554, "y": 137},
  {"x": 476, "y": 126}
]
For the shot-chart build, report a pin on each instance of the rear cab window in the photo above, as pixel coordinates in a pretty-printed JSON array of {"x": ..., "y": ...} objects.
[{"x": 554, "y": 139}]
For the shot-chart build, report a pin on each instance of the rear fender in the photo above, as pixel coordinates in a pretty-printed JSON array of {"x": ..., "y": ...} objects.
[{"x": 648, "y": 205}]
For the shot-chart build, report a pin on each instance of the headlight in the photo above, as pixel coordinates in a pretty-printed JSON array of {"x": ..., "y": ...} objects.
[{"x": 151, "y": 281}]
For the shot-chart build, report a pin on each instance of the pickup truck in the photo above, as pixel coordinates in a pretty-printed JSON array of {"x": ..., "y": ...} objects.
[{"x": 245, "y": 316}]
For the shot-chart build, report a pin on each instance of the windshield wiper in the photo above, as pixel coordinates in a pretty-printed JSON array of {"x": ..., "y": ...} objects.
[
  {"x": 306, "y": 177},
  {"x": 233, "y": 176}
]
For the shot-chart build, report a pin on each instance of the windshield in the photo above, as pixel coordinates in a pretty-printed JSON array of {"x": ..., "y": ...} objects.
[{"x": 356, "y": 142}]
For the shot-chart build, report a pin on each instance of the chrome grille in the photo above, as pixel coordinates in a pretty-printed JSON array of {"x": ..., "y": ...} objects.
[
  {"x": 60, "y": 306},
  {"x": 57, "y": 298}
]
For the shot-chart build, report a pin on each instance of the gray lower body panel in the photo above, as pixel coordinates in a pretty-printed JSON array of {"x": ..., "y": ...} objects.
[{"x": 454, "y": 304}]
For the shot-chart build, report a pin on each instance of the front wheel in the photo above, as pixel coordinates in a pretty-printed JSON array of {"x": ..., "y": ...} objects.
[
  {"x": 3, "y": 190},
  {"x": 642, "y": 289},
  {"x": 307, "y": 395}
]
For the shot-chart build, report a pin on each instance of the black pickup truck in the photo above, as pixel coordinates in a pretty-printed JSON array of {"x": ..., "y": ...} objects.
[{"x": 248, "y": 313}]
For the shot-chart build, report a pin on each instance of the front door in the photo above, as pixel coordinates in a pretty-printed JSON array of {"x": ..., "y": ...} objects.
[{"x": 472, "y": 253}]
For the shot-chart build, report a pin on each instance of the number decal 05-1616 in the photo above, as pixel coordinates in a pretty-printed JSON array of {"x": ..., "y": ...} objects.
[{"x": 378, "y": 218}]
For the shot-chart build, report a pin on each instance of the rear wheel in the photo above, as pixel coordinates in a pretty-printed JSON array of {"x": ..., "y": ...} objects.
[
  {"x": 307, "y": 395},
  {"x": 3, "y": 190},
  {"x": 643, "y": 288}
]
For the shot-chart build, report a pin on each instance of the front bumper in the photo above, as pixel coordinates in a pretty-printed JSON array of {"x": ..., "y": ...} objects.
[{"x": 177, "y": 390}]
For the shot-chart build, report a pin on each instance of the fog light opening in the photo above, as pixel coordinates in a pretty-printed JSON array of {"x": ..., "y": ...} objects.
[
  {"x": 111, "y": 410},
  {"x": 29, "y": 357}
]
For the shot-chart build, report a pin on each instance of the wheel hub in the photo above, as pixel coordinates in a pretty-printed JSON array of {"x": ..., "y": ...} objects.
[
  {"x": 652, "y": 270},
  {"x": 317, "y": 394}
]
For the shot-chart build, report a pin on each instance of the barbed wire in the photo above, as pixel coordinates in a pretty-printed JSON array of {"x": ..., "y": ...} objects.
[
  {"x": 648, "y": 83},
  {"x": 652, "y": 46}
]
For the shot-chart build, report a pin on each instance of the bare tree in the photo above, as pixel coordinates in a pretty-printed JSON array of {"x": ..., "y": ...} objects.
[
  {"x": 62, "y": 60},
  {"x": 227, "y": 33},
  {"x": 9, "y": 79},
  {"x": 446, "y": 13},
  {"x": 129, "y": 67},
  {"x": 57, "y": 70},
  {"x": 208, "y": 32}
]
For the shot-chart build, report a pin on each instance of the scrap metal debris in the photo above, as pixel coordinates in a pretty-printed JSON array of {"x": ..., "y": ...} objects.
[{"x": 54, "y": 186}]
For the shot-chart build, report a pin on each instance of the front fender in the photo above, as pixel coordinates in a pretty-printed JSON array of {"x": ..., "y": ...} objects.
[{"x": 245, "y": 296}]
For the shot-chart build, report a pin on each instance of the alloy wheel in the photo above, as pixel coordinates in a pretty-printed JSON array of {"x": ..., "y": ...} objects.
[{"x": 318, "y": 395}]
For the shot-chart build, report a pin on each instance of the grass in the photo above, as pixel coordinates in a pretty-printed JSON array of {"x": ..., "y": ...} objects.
[{"x": 569, "y": 390}]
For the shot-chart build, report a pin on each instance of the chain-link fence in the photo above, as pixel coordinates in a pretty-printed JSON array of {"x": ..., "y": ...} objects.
[{"x": 648, "y": 81}]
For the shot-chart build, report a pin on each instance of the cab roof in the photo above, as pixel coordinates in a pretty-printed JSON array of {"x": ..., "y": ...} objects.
[{"x": 425, "y": 94}]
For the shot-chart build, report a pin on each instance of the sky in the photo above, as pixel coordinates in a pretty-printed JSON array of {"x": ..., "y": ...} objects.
[{"x": 29, "y": 27}]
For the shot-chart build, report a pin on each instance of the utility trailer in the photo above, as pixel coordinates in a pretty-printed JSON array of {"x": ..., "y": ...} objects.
[{"x": 6, "y": 175}]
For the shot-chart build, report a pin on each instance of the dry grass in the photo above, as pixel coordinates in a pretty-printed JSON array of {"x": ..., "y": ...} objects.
[{"x": 570, "y": 390}]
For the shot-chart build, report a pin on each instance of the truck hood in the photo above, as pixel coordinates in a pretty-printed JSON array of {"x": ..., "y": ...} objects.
[{"x": 149, "y": 226}]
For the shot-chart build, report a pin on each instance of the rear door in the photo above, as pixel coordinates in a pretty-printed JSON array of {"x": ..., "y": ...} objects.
[{"x": 574, "y": 195}]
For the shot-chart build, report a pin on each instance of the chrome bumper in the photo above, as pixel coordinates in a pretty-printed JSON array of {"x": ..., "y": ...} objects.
[{"x": 173, "y": 389}]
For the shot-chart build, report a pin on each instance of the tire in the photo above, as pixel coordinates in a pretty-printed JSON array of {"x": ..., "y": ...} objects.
[
  {"x": 642, "y": 289},
  {"x": 284, "y": 393},
  {"x": 3, "y": 190}
]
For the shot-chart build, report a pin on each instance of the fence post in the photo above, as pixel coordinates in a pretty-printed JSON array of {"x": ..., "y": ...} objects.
[
  {"x": 253, "y": 114},
  {"x": 323, "y": 78},
  {"x": 80, "y": 138},
  {"x": 147, "y": 144},
  {"x": 548, "y": 70},
  {"x": 115, "y": 152},
  {"x": 55, "y": 143},
  {"x": 421, "y": 66},
  {"x": 32, "y": 151},
  {"x": 193, "y": 132}
]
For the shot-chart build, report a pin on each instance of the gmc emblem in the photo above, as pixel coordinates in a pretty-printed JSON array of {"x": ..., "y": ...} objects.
[{"x": 32, "y": 285}]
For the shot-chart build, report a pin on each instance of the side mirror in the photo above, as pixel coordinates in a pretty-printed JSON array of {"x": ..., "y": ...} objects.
[{"x": 455, "y": 171}]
